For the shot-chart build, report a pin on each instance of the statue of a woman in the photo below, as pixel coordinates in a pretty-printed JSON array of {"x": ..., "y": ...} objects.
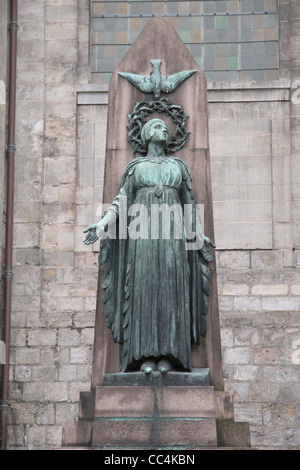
[{"x": 154, "y": 288}]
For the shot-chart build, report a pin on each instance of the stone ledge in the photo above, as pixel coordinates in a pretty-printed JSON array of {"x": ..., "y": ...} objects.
[
  {"x": 198, "y": 377},
  {"x": 217, "y": 92},
  {"x": 92, "y": 94}
]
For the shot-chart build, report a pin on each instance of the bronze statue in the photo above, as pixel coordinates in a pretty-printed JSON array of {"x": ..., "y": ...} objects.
[{"x": 154, "y": 288}]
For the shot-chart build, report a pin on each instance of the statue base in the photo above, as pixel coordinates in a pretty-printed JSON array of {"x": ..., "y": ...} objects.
[{"x": 139, "y": 411}]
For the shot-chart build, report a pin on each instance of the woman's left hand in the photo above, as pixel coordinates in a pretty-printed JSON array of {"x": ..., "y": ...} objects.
[{"x": 208, "y": 242}]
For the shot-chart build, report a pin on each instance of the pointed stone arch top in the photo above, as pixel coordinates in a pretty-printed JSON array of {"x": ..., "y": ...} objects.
[{"x": 158, "y": 40}]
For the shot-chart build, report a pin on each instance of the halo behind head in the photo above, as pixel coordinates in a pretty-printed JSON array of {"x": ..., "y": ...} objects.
[{"x": 137, "y": 119}]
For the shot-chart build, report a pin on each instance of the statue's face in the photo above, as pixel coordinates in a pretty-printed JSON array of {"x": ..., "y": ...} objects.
[{"x": 159, "y": 132}]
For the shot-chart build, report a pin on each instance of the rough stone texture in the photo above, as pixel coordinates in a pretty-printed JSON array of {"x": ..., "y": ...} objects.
[
  {"x": 59, "y": 177},
  {"x": 53, "y": 287}
]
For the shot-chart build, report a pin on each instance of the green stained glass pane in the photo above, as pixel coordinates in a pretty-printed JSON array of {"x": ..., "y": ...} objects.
[
  {"x": 209, "y": 50},
  {"x": 270, "y": 21},
  {"x": 185, "y": 36},
  {"x": 107, "y": 77},
  {"x": 221, "y": 22},
  {"x": 199, "y": 61},
  {"x": 232, "y": 63}
]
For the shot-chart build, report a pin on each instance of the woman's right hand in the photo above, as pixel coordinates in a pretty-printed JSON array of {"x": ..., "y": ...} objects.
[{"x": 94, "y": 232}]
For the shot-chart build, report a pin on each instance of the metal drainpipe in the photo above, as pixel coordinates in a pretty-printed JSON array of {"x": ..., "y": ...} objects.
[{"x": 9, "y": 214}]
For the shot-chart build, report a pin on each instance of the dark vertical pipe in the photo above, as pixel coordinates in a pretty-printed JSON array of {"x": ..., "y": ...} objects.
[{"x": 9, "y": 214}]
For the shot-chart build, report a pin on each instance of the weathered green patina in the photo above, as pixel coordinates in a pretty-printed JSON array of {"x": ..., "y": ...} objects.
[
  {"x": 154, "y": 288},
  {"x": 156, "y": 83}
]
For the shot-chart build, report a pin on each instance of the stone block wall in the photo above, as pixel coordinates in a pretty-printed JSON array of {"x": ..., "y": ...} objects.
[
  {"x": 60, "y": 131},
  {"x": 260, "y": 334},
  {"x": 53, "y": 304}
]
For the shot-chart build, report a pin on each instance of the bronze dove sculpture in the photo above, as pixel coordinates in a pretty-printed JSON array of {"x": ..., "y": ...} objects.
[{"x": 156, "y": 82}]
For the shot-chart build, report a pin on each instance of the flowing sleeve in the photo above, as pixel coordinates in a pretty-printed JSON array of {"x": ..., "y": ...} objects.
[
  {"x": 199, "y": 260},
  {"x": 113, "y": 259}
]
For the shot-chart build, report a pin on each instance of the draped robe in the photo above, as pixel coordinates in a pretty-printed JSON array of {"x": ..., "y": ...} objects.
[{"x": 155, "y": 289}]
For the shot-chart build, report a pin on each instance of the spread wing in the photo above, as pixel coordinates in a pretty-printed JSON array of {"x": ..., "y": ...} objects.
[
  {"x": 142, "y": 83},
  {"x": 171, "y": 82}
]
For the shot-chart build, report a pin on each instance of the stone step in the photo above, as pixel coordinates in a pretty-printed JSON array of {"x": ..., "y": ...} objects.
[
  {"x": 176, "y": 402},
  {"x": 155, "y": 431},
  {"x": 147, "y": 416},
  {"x": 144, "y": 401},
  {"x": 230, "y": 434}
]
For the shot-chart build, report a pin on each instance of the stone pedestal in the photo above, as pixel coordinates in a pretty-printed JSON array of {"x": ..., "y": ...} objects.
[{"x": 135, "y": 411}]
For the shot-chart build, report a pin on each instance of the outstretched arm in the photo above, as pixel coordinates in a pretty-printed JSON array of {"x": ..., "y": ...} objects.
[{"x": 97, "y": 230}]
